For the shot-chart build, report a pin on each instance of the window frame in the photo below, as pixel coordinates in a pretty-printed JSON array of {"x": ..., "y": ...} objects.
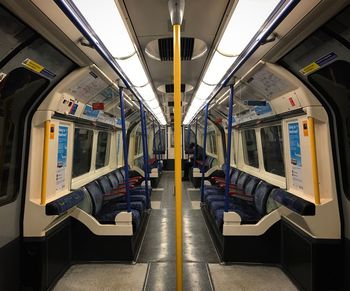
[{"x": 257, "y": 141}]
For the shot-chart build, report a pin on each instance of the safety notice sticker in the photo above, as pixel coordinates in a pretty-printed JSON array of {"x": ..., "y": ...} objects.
[
  {"x": 295, "y": 155},
  {"x": 314, "y": 66},
  {"x": 34, "y": 66}
]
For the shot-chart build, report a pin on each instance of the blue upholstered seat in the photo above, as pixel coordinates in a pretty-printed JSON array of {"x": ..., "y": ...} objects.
[
  {"x": 105, "y": 212},
  {"x": 250, "y": 213}
]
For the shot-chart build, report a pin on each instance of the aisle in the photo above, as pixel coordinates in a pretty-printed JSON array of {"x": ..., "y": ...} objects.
[{"x": 158, "y": 248}]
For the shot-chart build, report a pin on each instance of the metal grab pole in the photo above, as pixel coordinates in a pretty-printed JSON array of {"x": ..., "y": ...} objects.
[
  {"x": 313, "y": 154},
  {"x": 177, "y": 139},
  {"x": 144, "y": 146},
  {"x": 154, "y": 140},
  {"x": 188, "y": 140},
  {"x": 204, "y": 148},
  {"x": 45, "y": 162},
  {"x": 195, "y": 146},
  {"x": 228, "y": 155},
  {"x": 176, "y": 11},
  {"x": 160, "y": 145},
  {"x": 125, "y": 149}
]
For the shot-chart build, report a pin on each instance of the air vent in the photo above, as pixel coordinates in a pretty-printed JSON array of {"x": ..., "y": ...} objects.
[
  {"x": 169, "y": 88},
  {"x": 166, "y": 48}
]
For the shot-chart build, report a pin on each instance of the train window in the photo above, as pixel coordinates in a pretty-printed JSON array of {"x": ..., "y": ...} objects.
[
  {"x": 212, "y": 142},
  {"x": 159, "y": 142},
  {"x": 82, "y": 151},
  {"x": 250, "y": 152},
  {"x": 16, "y": 90},
  {"x": 272, "y": 147},
  {"x": 138, "y": 143},
  {"x": 102, "y": 154}
]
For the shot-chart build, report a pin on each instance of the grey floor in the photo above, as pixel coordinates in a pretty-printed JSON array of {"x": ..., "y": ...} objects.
[
  {"x": 158, "y": 248},
  {"x": 155, "y": 268}
]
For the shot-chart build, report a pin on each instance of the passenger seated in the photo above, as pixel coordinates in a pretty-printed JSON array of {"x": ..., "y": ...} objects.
[{"x": 190, "y": 163}]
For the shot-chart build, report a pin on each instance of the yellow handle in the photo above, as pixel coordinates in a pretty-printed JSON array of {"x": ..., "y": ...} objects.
[
  {"x": 45, "y": 161},
  {"x": 313, "y": 154},
  {"x": 177, "y": 139}
]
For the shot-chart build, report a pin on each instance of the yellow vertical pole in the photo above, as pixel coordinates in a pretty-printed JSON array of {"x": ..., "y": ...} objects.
[
  {"x": 45, "y": 161},
  {"x": 177, "y": 139},
  {"x": 313, "y": 154}
]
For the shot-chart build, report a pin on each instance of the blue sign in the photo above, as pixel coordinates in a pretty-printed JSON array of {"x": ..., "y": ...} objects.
[
  {"x": 62, "y": 146},
  {"x": 260, "y": 110},
  {"x": 89, "y": 112},
  {"x": 294, "y": 143}
]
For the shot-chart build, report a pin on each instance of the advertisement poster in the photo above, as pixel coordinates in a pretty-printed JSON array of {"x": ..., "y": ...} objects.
[
  {"x": 295, "y": 155},
  {"x": 61, "y": 158}
]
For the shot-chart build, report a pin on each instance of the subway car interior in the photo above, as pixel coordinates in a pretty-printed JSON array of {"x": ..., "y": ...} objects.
[{"x": 174, "y": 145}]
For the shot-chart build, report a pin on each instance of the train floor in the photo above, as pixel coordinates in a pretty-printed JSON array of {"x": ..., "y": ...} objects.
[{"x": 155, "y": 265}]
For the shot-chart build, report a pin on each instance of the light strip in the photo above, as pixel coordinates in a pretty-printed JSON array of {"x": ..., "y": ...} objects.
[
  {"x": 107, "y": 23},
  {"x": 237, "y": 36}
]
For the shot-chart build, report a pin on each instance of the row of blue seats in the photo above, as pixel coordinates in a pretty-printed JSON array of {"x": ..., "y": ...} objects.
[
  {"x": 105, "y": 198},
  {"x": 248, "y": 197}
]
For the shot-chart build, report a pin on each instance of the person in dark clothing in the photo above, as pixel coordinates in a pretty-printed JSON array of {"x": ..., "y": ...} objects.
[{"x": 193, "y": 149}]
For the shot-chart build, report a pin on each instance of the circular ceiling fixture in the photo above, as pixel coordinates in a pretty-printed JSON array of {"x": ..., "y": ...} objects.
[{"x": 162, "y": 49}]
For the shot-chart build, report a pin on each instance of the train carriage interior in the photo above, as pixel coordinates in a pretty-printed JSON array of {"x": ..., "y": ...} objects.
[{"x": 174, "y": 145}]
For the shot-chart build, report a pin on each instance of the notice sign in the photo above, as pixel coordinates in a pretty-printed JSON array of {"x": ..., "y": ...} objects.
[
  {"x": 61, "y": 158},
  {"x": 295, "y": 155}
]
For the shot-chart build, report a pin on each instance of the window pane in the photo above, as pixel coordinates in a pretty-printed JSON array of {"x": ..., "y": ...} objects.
[
  {"x": 82, "y": 151},
  {"x": 17, "y": 89},
  {"x": 250, "y": 148},
  {"x": 102, "y": 154},
  {"x": 272, "y": 146},
  {"x": 159, "y": 142}
]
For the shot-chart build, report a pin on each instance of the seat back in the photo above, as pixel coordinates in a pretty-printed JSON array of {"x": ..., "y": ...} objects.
[
  {"x": 251, "y": 185},
  {"x": 96, "y": 195},
  {"x": 105, "y": 184},
  {"x": 242, "y": 180},
  {"x": 86, "y": 204},
  {"x": 235, "y": 176},
  {"x": 119, "y": 176},
  {"x": 122, "y": 171},
  {"x": 262, "y": 192},
  {"x": 113, "y": 179}
]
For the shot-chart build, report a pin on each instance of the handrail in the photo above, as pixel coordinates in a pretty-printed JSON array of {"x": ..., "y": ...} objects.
[
  {"x": 228, "y": 152},
  {"x": 45, "y": 162},
  {"x": 313, "y": 155},
  {"x": 145, "y": 148},
  {"x": 204, "y": 148},
  {"x": 125, "y": 149}
]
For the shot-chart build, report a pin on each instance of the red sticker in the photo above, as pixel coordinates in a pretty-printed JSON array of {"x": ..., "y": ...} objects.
[
  {"x": 291, "y": 101},
  {"x": 98, "y": 106}
]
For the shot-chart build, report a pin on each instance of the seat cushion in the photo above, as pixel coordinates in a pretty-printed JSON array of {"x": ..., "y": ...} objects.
[
  {"x": 109, "y": 217},
  {"x": 248, "y": 215}
]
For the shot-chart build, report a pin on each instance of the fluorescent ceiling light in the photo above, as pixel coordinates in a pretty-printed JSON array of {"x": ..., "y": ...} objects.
[
  {"x": 107, "y": 23},
  {"x": 146, "y": 92},
  {"x": 243, "y": 25},
  {"x": 133, "y": 68},
  {"x": 239, "y": 32},
  {"x": 104, "y": 18},
  {"x": 217, "y": 68},
  {"x": 203, "y": 91}
]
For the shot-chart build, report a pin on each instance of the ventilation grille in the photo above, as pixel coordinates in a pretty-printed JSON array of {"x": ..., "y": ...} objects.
[
  {"x": 169, "y": 88},
  {"x": 166, "y": 51}
]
